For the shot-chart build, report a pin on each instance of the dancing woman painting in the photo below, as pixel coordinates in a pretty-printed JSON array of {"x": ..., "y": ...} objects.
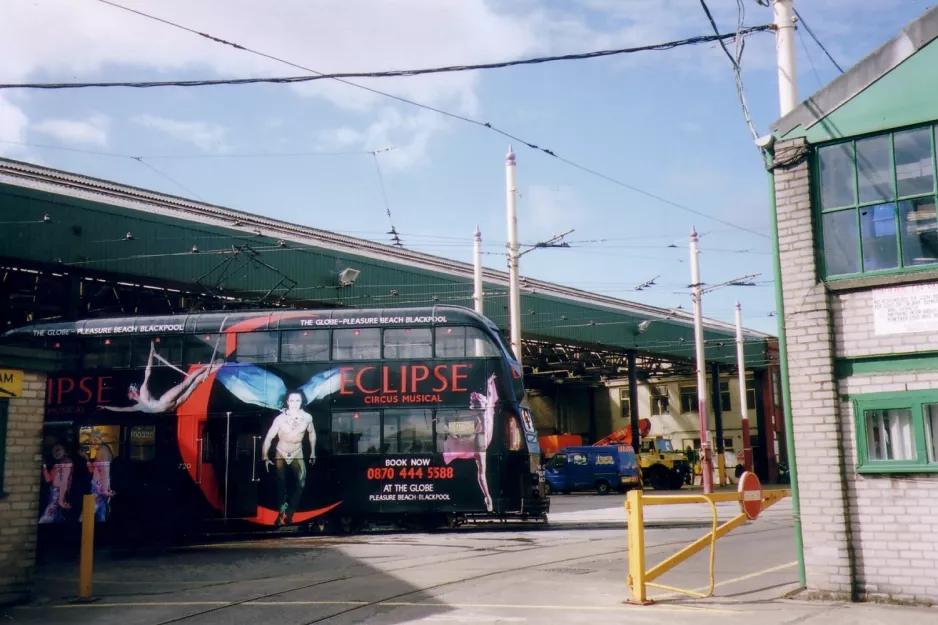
[{"x": 463, "y": 443}]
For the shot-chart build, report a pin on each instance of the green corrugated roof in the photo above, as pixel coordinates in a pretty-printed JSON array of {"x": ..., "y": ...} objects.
[{"x": 91, "y": 218}]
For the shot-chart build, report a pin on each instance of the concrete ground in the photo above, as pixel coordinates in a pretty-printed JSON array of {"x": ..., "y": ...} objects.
[{"x": 572, "y": 570}]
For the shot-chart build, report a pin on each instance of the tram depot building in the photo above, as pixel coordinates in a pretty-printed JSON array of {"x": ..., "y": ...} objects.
[{"x": 855, "y": 192}]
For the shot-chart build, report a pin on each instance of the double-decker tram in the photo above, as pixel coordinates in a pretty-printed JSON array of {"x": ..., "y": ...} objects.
[{"x": 274, "y": 418}]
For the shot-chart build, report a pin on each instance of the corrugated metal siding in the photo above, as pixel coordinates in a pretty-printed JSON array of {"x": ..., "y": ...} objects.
[{"x": 92, "y": 235}]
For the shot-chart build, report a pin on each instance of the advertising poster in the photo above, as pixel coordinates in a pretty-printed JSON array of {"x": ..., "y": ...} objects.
[{"x": 283, "y": 443}]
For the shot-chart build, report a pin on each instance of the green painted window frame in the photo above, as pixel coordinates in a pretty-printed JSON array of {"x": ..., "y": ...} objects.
[
  {"x": 4, "y": 417},
  {"x": 914, "y": 401},
  {"x": 819, "y": 210}
]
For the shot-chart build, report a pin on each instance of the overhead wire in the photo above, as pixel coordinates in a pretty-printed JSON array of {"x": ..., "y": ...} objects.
[
  {"x": 807, "y": 53},
  {"x": 167, "y": 177},
  {"x": 816, "y": 40},
  {"x": 735, "y": 60},
  {"x": 669, "y": 45},
  {"x": 533, "y": 146},
  {"x": 185, "y": 156}
]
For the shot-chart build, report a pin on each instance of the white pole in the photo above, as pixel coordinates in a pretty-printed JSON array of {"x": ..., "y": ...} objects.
[
  {"x": 743, "y": 408},
  {"x": 477, "y": 274},
  {"x": 706, "y": 462},
  {"x": 785, "y": 52},
  {"x": 514, "y": 303}
]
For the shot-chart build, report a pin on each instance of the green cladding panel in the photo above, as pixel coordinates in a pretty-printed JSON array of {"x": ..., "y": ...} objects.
[{"x": 905, "y": 96}]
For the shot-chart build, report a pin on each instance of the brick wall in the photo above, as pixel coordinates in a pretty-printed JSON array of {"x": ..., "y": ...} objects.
[
  {"x": 19, "y": 511},
  {"x": 818, "y": 430},
  {"x": 853, "y": 318},
  {"x": 895, "y": 518}
]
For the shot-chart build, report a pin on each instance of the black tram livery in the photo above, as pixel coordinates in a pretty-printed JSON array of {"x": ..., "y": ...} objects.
[{"x": 277, "y": 418}]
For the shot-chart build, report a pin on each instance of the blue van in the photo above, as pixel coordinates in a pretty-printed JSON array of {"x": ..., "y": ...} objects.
[{"x": 602, "y": 467}]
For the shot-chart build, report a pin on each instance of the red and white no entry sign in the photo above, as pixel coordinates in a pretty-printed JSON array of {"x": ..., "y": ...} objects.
[{"x": 750, "y": 489}]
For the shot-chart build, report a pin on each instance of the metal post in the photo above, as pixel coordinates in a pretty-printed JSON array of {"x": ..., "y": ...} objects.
[
  {"x": 86, "y": 562},
  {"x": 718, "y": 421},
  {"x": 636, "y": 543},
  {"x": 785, "y": 50},
  {"x": 477, "y": 271},
  {"x": 514, "y": 302},
  {"x": 743, "y": 407},
  {"x": 633, "y": 404},
  {"x": 706, "y": 461}
]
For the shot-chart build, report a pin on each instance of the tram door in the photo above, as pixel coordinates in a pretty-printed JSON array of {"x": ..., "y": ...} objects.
[{"x": 232, "y": 445}]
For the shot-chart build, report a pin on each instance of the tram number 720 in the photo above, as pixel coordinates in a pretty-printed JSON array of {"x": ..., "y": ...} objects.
[{"x": 410, "y": 473}]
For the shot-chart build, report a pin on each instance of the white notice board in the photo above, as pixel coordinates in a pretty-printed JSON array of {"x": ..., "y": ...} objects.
[{"x": 906, "y": 309}]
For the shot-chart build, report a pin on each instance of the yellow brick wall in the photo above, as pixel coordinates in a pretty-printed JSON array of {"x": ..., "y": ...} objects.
[{"x": 19, "y": 508}]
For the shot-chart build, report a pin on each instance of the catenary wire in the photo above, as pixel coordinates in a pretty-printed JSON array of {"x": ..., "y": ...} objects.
[
  {"x": 463, "y": 118},
  {"x": 669, "y": 45},
  {"x": 736, "y": 61},
  {"x": 816, "y": 40}
]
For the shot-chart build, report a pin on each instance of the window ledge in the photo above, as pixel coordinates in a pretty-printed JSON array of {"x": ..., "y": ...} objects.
[
  {"x": 887, "y": 468},
  {"x": 849, "y": 284}
]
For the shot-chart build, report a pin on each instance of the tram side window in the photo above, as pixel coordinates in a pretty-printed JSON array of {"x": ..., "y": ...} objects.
[
  {"x": 107, "y": 353},
  {"x": 464, "y": 342},
  {"x": 460, "y": 430},
  {"x": 168, "y": 349},
  {"x": 360, "y": 344},
  {"x": 356, "y": 432},
  {"x": 304, "y": 346},
  {"x": 408, "y": 343},
  {"x": 257, "y": 347},
  {"x": 408, "y": 431},
  {"x": 199, "y": 348},
  {"x": 142, "y": 442}
]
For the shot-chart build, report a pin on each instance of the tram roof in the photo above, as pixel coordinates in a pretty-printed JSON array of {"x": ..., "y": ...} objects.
[
  {"x": 90, "y": 220},
  {"x": 255, "y": 320}
]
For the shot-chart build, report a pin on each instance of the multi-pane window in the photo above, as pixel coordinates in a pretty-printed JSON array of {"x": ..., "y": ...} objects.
[
  {"x": 626, "y": 403},
  {"x": 106, "y": 353},
  {"x": 356, "y": 432},
  {"x": 408, "y": 343},
  {"x": 464, "y": 341},
  {"x": 200, "y": 349},
  {"x": 751, "y": 394},
  {"x": 408, "y": 431},
  {"x": 878, "y": 203},
  {"x": 897, "y": 432},
  {"x": 726, "y": 403},
  {"x": 659, "y": 400},
  {"x": 361, "y": 344},
  {"x": 688, "y": 398},
  {"x": 304, "y": 346},
  {"x": 257, "y": 347}
]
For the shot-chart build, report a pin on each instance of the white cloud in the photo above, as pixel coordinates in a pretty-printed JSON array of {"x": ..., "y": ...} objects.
[
  {"x": 93, "y": 131},
  {"x": 408, "y": 135},
  {"x": 545, "y": 211},
  {"x": 13, "y": 124},
  {"x": 204, "y": 135}
]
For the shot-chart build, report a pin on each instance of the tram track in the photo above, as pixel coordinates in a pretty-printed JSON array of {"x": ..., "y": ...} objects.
[{"x": 260, "y": 599}]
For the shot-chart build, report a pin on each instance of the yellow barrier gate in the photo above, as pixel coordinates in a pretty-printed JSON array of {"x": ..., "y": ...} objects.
[{"x": 752, "y": 501}]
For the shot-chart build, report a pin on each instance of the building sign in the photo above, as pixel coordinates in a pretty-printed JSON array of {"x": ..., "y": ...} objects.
[
  {"x": 11, "y": 383},
  {"x": 905, "y": 309}
]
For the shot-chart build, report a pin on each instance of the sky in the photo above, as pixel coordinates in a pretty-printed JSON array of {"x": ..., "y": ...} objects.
[{"x": 666, "y": 125}]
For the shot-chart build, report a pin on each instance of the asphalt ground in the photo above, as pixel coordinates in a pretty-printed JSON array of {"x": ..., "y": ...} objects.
[{"x": 572, "y": 569}]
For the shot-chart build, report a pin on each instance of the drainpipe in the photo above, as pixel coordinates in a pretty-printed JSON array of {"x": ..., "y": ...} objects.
[{"x": 783, "y": 365}]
